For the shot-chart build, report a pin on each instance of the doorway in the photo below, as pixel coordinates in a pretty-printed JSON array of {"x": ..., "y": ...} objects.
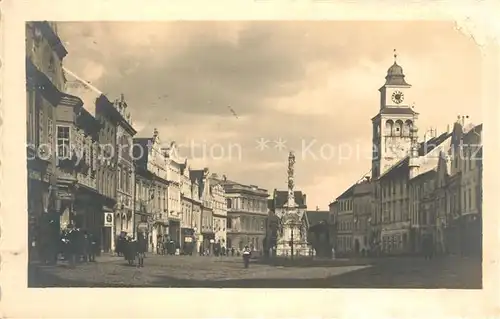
[{"x": 106, "y": 239}]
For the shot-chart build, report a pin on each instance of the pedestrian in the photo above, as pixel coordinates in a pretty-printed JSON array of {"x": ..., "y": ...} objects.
[
  {"x": 120, "y": 245},
  {"x": 85, "y": 246},
  {"x": 246, "y": 256},
  {"x": 232, "y": 251},
  {"x": 165, "y": 246},
  {"x": 427, "y": 247},
  {"x": 71, "y": 238},
  {"x": 142, "y": 247},
  {"x": 130, "y": 251},
  {"x": 92, "y": 247}
]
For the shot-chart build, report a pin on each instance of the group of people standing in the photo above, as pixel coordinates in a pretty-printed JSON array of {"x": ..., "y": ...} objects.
[
  {"x": 135, "y": 249},
  {"x": 166, "y": 245},
  {"x": 78, "y": 245},
  {"x": 132, "y": 249}
]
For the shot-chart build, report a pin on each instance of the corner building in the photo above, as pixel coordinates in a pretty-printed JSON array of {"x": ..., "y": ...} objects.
[
  {"x": 44, "y": 85},
  {"x": 246, "y": 215}
]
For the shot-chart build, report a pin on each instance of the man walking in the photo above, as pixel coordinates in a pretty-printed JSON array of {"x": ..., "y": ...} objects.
[{"x": 142, "y": 247}]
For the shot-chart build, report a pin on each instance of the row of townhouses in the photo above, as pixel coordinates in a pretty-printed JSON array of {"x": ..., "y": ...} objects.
[
  {"x": 88, "y": 168},
  {"x": 430, "y": 189}
]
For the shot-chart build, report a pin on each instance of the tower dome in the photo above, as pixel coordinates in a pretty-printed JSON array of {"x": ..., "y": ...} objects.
[
  {"x": 395, "y": 70},
  {"x": 395, "y": 75}
]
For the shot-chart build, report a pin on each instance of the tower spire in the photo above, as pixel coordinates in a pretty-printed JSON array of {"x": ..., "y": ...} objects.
[{"x": 395, "y": 56}]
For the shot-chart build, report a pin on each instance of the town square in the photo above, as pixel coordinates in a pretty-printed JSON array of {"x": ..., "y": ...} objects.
[{"x": 252, "y": 155}]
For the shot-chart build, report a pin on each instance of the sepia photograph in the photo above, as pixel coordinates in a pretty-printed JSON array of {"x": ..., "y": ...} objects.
[{"x": 253, "y": 154}]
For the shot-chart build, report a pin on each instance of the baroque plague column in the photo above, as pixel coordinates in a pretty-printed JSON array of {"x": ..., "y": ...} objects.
[{"x": 292, "y": 235}]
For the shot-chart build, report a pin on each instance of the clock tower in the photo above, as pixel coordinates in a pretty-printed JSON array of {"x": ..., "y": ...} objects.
[{"x": 392, "y": 126}]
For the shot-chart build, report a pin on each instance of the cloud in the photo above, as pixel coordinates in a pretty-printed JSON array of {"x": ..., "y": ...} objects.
[{"x": 299, "y": 81}]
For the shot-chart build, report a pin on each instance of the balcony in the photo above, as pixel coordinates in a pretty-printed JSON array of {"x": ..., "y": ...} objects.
[{"x": 68, "y": 162}]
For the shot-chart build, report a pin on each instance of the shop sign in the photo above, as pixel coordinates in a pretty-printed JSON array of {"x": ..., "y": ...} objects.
[
  {"x": 108, "y": 219},
  {"x": 188, "y": 239}
]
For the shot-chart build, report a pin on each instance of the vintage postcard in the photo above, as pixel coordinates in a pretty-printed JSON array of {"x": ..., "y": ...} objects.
[{"x": 254, "y": 145}]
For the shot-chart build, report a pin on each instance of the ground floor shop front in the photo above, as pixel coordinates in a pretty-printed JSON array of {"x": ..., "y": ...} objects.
[
  {"x": 463, "y": 236},
  {"x": 43, "y": 216},
  {"x": 84, "y": 208},
  {"x": 395, "y": 242},
  {"x": 188, "y": 241},
  {"x": 238, "y": 241}
]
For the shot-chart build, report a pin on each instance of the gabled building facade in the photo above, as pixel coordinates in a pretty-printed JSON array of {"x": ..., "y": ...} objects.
[
  {"x": 125, "y": 184},
  {"x": 196, "y": 177},
  {"x": 144, "y": 197},
  {"x": 151, "y": 162},
  {"x": 188, "y": 205},
  {"x": 219, "y": 210},
  {"x": 174, "y": 166}
]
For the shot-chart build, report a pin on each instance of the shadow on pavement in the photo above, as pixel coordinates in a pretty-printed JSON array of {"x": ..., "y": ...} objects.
[
  {"x": 411, "y": 273},
  {"x": 383, "y": 274}
]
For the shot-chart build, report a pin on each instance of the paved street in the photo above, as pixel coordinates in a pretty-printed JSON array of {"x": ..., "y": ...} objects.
[{"x": 195, "y": 271}]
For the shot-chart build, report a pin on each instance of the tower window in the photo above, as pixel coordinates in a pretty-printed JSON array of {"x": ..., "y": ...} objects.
[
  {"x": 389, "y": 126},
  {"x": 398, "y": 127}
]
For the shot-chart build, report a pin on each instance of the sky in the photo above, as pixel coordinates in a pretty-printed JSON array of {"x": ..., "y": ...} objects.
[{"x": 238, "y": 96}]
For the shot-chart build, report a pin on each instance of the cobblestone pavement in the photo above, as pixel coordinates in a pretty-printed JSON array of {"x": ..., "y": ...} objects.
[{"x": 196, "y": 271}]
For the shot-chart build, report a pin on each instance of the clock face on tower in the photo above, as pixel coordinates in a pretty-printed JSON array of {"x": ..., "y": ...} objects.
[{"x": 397, "y": 97}]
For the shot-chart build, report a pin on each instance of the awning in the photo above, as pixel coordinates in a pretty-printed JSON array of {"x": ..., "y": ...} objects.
[{"x": 107, "y": 209}]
